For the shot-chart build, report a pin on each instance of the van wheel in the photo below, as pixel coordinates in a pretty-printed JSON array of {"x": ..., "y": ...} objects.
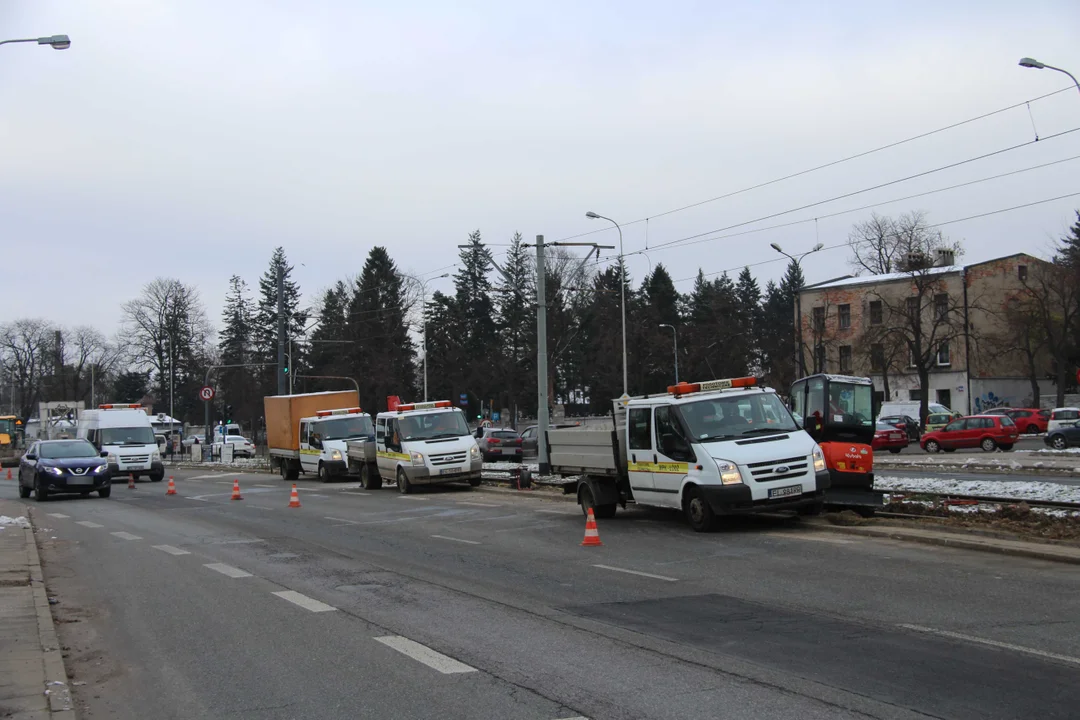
[
  {"x": 293, "y": 472},
  {"x": 403, "y": 485},
  {"x": 157, "y": 477},
  {"x": 370, "y": 480},
  {"x": 988, "y": 445},
  {"x": 474, "y": 482},
  {"x": 323, "y": 474},
  {"x": 698, "y": 512},
  {"x": 812, "y": 510}
]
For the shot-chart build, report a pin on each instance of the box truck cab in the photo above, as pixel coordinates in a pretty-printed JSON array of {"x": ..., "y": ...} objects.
[
  {"x": 123, "y": 431},
  {"x": 324, "y": 438},
  {"x": 424, "y": 444}
]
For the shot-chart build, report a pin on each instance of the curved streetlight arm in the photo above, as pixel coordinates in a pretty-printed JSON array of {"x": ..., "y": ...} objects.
[
  {"x": 58, "y": 42},
  {"x": 1033, "y": 63}
]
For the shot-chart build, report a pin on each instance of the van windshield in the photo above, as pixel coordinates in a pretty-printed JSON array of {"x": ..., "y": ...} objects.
[
  {"x": 724, "y": 418},
  {"x": 128, "y": 436},
  {"x": 432, "y": 426},
  {"x": 347, "y": 428}
]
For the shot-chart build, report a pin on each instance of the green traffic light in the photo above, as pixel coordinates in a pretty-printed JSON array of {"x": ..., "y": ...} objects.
[{"x": 286, "y": 371}]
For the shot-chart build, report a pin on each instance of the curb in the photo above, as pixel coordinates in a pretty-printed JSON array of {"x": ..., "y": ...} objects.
[
  {"x": 885, "y": 466},
  {"x": 60, "y": 705},
  {"x": 946, "y": 540}
]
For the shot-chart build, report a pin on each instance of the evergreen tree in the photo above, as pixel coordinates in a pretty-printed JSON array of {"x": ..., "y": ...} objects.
[
  {"x": 446, "y": 354},
  {"x": 130, "y": 386},
  {"x": 329, "y": 354},
  {"x": 383, "y": 355},
  {"x": 1069, "y": 249},
  {"x": 778, "y": 338},
  {"x": 237, "y": 385},
  {"x": 654, "y": 345},
  {"x": 748, "y": 297},
  {"x": 473, "y": 299},
  {"x": 264, "y": 332},
  {"x": 516, "y": 313},
  {"x": 602, "y": 342}
]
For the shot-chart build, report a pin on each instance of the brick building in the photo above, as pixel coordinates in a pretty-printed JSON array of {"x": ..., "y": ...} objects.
[{"x": 949, "y": 319}]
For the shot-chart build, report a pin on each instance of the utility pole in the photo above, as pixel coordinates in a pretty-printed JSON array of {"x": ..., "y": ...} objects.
[
  {"x": 541, "y": 359},
  {"x": 281, "y": 331}
]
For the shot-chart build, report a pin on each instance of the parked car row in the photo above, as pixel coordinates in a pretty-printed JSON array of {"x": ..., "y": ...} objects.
[{"x": 988, "y": 432}]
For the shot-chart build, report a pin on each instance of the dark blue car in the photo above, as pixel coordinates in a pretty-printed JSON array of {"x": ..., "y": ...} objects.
[{"x": 63, "y": 466}]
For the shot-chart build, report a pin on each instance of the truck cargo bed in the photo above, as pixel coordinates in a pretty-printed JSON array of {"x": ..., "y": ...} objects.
[{"x": 576, "y": 451}]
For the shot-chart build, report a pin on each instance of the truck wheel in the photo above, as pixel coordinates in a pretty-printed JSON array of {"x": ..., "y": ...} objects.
[
  {"x": 403, "y": 485},
  {"x": 324, "y": 474},
  {"x": 988, "y": 445},
  {"x": 474, "y": 482},
  {"x": 812, "y": 510},
  {"x": 370, "y": 480},
  {"x": 698, "y": 512},
  {"x": 585, "y": 499},
  {"x": 284, "y": 468},
  {"x": 157, "y": 477}
]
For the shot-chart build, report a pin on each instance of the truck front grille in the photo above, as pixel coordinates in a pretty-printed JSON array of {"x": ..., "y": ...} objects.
[
  {"x": 766, "y": 471},
  {"x": 128, "y": 459},
  {"x": 449, "y": 458}
]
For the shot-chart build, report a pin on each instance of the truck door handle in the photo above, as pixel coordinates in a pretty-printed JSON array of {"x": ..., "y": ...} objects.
[
  {"x": 654, "y": 458},
  {"x": 633, "y": 457}
]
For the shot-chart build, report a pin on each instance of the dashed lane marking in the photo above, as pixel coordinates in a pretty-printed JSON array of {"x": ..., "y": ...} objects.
[
  {"x": 125, "y": 536},
  {"x": 453, "y": 539},
  {"x": 637, "y": 572},
  {"x": 62, "y": 516},
  {"x": 268, "y": 486},
  {"x": 343, "y": 521},
  {"x": 304, "y": 601},
  {"x": 246, "y": 541},
  {"x": 87, "y": 523},
  {"x": 476, "y": 504},
  {"x": 171, "y": 550},
  {"x": 353, "y": 492},
  {"x": 560, "y": 512},
  {"x": 227, "y": 570},
  {"x": 993, "y": 643},
  {"x": 411, "y": 497},
  {"x": 423, "y": 654}
]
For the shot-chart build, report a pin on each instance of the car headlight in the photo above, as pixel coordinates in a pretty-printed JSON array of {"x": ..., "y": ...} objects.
[
  {"x": 101, "y": 469},
  {"x": 729, "y": 472},
  {"x": 155, "y": 456},
  {"x": 417, "y": 458},
  {"x": 54, "y": 471},
  {"x": 474, "y": 452},
  {"x": 819, "y": 459},
  {"x": 336, "y": 455}
]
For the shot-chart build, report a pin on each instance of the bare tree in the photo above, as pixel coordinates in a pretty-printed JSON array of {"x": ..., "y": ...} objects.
[
  {"x": 27, "y": 347},
  {"x": 883, "y": 245},
  {"x": 88, "y": 353}
]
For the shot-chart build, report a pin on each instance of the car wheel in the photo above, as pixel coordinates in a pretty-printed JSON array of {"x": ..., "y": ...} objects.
[
  {"x": 370, "y": 480},
  {"x": 403, "y": 485},
  {"x": 40, "y": 493},
  {"x": 1058, "y": 442},
  {"x": 1032, "y": 430},
  {"x": 698, "y": 512},
  {"x": 24, "y": 492},
  {"x": 931, "y": 446},
  {"x": 105, "y": 491},
  {"x": 895, "y": 451},
  {"x": 324, "y": 474},
  {"x": 988, "y": 445}
]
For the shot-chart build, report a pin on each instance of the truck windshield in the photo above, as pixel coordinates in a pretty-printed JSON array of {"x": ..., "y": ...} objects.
[
  {"x": 7, "y": 426},
  {"x": 432, "y": 426},
  {"x": 346, "y": 428},
  {"x": 725, "y": 418},
  {"x": 128, "y": 436}
]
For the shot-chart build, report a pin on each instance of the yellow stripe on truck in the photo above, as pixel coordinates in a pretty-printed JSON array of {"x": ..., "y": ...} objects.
[
  {"x": 667, "y": 468},
  {"x": 392, "y": 455}
]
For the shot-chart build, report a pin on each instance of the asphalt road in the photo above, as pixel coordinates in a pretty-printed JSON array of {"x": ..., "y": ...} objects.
[{"x": 477, "y": 604}]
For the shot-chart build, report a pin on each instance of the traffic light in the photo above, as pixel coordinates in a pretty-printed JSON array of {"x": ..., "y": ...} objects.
[
  {"x": 286, "y": 370},
  {"x": 228, "y": 414}
]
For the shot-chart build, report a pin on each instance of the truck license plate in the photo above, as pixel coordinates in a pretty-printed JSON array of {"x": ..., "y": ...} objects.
[
  {"x": 785, "y": 491},
  {"x": 449, "y": 471}
]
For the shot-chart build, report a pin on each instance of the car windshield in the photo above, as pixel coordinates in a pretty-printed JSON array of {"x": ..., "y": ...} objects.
[
  {"x": 504, "y": 435},
  {"x": 346, "y": 428},
  {"x": 67, "y": 449},
  {"x": 431, "y": 426},
  {"x": 128, "y": 436},
  {"x": 723, "y": 418}
]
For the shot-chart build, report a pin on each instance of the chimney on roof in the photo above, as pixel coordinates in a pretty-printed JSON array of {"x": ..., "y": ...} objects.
[{"x": 945, "y": 257}]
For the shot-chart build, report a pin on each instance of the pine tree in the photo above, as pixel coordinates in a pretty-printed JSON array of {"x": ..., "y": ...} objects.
[
  {"x": 329, "y": 354},
  {"x": 237, "y": 385},
  {"x": 778, "y": 339},
  {"x": 602, "y": 342},
  {"x": 748, "y": 296},
  {"x": 473, "y": 299},
  {"x": 654, "y": 345},
  {"x": 264, "y": 333},
  {"x": 446, "y": 355},
  {"x": 1069, "y": 249},
  {"x": 516, "y": 313}
]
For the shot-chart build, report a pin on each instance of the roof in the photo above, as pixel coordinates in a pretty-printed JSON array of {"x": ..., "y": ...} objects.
[{"x": 877, "y": 279}]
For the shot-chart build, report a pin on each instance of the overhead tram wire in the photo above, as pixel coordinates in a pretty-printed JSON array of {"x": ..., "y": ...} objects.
[{"x": 832, "y": 163}]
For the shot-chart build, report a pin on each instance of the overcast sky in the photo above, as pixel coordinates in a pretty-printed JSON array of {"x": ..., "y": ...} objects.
[{"x": 190, "y": 137}]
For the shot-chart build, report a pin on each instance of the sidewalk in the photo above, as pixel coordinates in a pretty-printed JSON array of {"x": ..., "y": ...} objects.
[
  {"x": 947, "y": 538},
  {"x": 33, "y": 683}
]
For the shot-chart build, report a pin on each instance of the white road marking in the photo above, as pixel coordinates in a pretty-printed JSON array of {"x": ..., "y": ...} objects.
[
  {"x": 59, "y": 515},
  {"x": 268, "y": 486},
  {"x": 351, "y": 492},
  {"x": 635, "y": 572},
  {"x": 993, "y": 643},
  {"x": 467, "y": 542},
  {"x": 125, "y": 536},
  {"x": 87, "y": 523},
  {"x": 423, "y": 654},
  {"x": 342, "y": 520},
  {"x": 196, "y": 498},
  {"x": 411, "y": 497},
  {"x": 576, "y": 717},
  {"x": 476, "y": 504},
  {"x": 171, "y": 550},
  {"x": 560, "y": 512},
  {"x": 227, "y": 570},
  {"x": 237, "y": 542},
  {"x": 208, "y": 477},
  {"x": 304, "y": 601}
]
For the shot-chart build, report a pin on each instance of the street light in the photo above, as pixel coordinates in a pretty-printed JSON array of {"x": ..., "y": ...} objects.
[
  {"x": 622, "y": 287},
  {"x": 675, "y": 337},
  {"x": 58, "y": 42},
  {"x": 423, "y": 315},
  {"x": 1033, "y": 63},
  {"x": 798, "y": 300}
]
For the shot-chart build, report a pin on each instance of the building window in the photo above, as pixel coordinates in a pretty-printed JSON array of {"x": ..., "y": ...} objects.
[
  {"x": 1021, "y": 272},
  {"x": 943, "y": 354},
  {"x": 819, "y": 358},
  {"x": 845, "y": 358},
  {"x": 819, "y": 319},
  {"x": 844, "y": 316},
  {"x": 913, "y": 307},
  {"x": 877, "y": 357},
  {"x": 915, "y": 395},
  {"x": 941, "y": 306},
  {"x": 877, "y": 317}
]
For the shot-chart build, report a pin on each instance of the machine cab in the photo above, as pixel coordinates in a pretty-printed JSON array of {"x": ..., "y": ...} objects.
[{"x": 838, "y": 412}]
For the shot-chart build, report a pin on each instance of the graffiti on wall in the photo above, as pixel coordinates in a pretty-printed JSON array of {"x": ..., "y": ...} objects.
[{"x": 989, "y": 401}]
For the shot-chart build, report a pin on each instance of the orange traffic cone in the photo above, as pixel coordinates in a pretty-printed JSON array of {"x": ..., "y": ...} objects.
[
  {"x": 236, "y": 490},
  {"x": 172, "y": 487},
  {"x": 9, "y": 474},
  {"x": 294, "y": 497},
  {"x": 592, "y": 537},
  {"x": 131, "y": 481}
]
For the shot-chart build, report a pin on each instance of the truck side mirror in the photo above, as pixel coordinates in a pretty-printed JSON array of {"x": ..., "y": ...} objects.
[{"x": 813, "y": 424}]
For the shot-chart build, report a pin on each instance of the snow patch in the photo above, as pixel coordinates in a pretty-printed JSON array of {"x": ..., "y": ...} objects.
[
  {"x": 1031, "y": 490},
  {"x": 19, "y": 521}
]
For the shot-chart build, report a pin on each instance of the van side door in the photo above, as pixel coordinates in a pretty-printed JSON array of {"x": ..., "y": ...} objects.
[
  {"x": 640, "y": 455},
  {"x": 673, "y": 455},
  {"x": 309, "y": 457}
]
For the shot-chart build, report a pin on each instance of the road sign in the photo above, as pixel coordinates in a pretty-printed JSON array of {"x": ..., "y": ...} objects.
[
  {"x": 206, "y": 393},
  {"x": 495, "y": 416}
]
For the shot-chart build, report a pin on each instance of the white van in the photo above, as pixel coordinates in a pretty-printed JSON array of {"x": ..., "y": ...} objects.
[
  {"x": 911, "y": 409},
  {"x": 125, "y": 432},
  {"x": 324, "y": 438},
  {"x": 424, "y": 444}
]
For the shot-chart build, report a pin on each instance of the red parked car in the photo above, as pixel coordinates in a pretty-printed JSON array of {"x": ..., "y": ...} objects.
[
  {"x": 889, "y": 437},
  {"x": 986, "y": 431},
  {"x": 1030, "y": 420}
]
